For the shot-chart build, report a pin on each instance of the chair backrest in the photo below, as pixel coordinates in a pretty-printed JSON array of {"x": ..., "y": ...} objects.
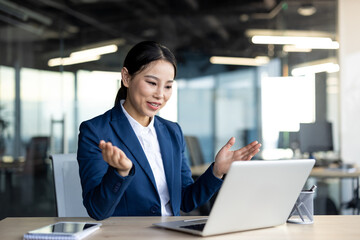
[
  {"x": 36, "y": 155},
  {"x": 195, "y": 152},
  {"x": 68, "y": 189}
]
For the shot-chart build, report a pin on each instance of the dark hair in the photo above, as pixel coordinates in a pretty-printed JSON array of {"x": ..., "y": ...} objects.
[{"x": 139, "y": 57}]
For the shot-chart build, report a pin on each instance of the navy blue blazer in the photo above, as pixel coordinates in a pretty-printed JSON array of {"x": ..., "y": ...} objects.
[{"x": 106, "y": 193}]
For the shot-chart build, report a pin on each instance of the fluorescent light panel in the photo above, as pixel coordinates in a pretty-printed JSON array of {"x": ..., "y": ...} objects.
[
  {"x": 325, "y": 65},
  {"x": 95, "y": 51},
  {"x": 294, "y": 48},
  {"x": 87, "y": 55},
  {"x": 71, "y": 60},
  {"x": 301, "y": 39},
  {"x": 289, "y": 40},
  {"x": 258, "y": 61},
  {"x": 289, "y": 33}
]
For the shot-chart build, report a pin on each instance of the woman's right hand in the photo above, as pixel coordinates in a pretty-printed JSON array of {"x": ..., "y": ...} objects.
[{"x": 116, "y": 158}]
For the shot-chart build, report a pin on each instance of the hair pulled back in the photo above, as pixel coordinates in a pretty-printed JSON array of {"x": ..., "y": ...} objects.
[{"x": 139, "y": 57}]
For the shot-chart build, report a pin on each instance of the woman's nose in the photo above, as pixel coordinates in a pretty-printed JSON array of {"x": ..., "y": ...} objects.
[{"x": 159, "y": 93}]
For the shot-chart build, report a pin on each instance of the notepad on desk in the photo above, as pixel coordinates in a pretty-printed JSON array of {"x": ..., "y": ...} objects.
[{"x": 63, "y": 231}]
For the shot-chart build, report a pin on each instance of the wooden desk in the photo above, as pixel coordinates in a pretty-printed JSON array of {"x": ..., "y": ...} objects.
[{"x": 136, "y": 228}]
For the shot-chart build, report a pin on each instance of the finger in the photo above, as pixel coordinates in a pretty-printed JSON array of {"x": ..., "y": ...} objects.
[
  {"x": 248, "y": 151},
  {"x": 230, "y": 143},
  {"x": 255, "y": 147},
  {"x": 108, "y": 151},
  {"x": 116, "y": 156},
  {"x": 253, "y": 152},
  {"x": 249, "y": 147},
  {"x": 102, "y": 144},
  {"x": 121, "y": 160}
]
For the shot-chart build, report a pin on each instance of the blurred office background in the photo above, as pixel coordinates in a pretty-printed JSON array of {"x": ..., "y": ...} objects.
[{"x": 297, "y": 94}]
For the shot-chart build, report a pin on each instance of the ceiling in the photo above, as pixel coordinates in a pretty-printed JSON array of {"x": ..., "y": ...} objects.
[{"x": 49, "y": 28}]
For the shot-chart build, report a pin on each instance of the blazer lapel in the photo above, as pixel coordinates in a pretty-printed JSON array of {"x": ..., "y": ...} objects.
[
  {"x": 126, "y": 134},
  {"x": 166, "y": 150}
]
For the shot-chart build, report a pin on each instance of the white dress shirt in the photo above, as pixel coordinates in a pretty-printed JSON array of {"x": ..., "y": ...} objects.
[{"x": 150, "y": 144}]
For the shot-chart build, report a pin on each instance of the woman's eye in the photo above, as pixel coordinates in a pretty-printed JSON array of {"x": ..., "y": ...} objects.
[
  {"x": 152, "y": 83},
  {"x": 168, "y": 87}
]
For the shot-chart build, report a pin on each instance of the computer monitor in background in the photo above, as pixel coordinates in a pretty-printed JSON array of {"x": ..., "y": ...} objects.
[
  {"x": 289, "y": 140},
  {"x": 315, "y": 137}
]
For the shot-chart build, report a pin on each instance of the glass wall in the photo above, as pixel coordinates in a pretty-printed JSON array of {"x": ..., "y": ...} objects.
[
  {"x": 218, "y": 107},
  {"x": 7, "y": 110},
  {"x": 236, "y": 108},
  {"x": 196, "y": 111},
  {"x": 41, "y": 106},
  {"x": 47, "y": 107}
]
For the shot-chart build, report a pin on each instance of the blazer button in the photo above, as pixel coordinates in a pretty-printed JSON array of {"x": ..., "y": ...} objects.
[{"x": 154, "y": 209}]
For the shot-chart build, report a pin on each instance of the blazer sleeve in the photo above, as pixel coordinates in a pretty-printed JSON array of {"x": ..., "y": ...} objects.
[
  {"x": 195, "y": 194},
  {"x": 102, "y": 186}
]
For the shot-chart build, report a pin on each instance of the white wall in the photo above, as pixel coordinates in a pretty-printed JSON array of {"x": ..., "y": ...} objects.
[{"x": 349, "y": 57}]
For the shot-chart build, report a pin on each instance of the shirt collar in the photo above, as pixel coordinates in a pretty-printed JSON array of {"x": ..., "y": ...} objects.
[{"x": 138, "y": 128}]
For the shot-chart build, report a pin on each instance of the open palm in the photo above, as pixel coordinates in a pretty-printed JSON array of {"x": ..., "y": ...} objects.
[{"x": 225, "y": 156}]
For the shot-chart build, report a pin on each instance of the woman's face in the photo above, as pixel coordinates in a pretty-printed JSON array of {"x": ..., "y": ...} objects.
[{"x": 149, "y": 90}]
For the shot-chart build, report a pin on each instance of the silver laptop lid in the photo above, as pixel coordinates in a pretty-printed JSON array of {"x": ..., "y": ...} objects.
[{"x": 257, "y": 194}]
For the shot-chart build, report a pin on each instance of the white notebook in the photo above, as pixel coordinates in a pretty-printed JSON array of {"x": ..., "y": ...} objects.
[{"x": 63, "y": 231}]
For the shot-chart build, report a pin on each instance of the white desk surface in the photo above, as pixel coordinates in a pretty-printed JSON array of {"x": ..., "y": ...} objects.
[{"x": 338, "y": 227}]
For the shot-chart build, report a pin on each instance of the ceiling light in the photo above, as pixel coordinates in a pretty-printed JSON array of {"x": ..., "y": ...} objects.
[
  {"x": 290, "y": 40},
  {"x": 257, "y": 61},
  {"x": 71, "y": 60},
  {"x": 302, "y": 39},
  {"x": 289, "y": 33},
  {"x": 307, "y": 9},
  {"x": 295, "y": 48},
  {"x": 325, "y": 65},
  {"x": 314, "y": 45},
  {"x": 89, "y": 53},
  {"x": 95, "y": 51}
]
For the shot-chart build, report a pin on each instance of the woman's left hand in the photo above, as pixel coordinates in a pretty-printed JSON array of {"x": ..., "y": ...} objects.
[{"x": 225, "y": 157}]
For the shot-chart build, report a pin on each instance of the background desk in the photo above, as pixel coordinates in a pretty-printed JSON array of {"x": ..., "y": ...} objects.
[
  {"x": 328, "y": 173},
  {"x": 134, "y": 228}
]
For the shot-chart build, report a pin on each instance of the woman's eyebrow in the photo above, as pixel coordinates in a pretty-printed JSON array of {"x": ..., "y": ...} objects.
[{"x": 156, "y": 78}]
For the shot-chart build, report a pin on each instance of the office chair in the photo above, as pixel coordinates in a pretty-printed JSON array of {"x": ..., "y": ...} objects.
[
  {"x": 68, "y": 189},
  {"x": 195, "y": 154},
  {"x": 196, "y": 158},
  {"x": 36, "y": 155}
]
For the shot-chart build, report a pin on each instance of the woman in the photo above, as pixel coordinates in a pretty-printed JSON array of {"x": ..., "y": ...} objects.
[{"x": 132, "y": 162}]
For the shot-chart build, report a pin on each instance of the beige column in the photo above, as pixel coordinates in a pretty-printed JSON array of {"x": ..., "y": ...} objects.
[{"x": 349, "y": 58}]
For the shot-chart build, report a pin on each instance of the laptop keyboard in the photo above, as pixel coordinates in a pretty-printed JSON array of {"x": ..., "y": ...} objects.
[{"x": 198, "y": 227}]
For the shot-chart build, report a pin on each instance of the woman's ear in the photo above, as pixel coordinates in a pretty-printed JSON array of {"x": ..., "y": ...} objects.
[{"x": 125, "y": 76}]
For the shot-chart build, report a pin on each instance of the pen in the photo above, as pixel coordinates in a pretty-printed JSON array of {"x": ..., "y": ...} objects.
[{"x": 312, "y": 189}]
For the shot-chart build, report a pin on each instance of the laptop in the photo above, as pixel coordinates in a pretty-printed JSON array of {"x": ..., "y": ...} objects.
[{"x": 255, "y": 194}]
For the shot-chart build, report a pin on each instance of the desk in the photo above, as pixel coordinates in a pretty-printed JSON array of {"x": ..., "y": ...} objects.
[
  {"x": 136, "y": 228},
  {"x": 6, "y": 171},
  {"x": 325, "y": 173}
]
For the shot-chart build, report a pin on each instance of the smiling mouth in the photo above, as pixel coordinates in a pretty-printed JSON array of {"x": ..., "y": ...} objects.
[{"x": 154, "y": 104}]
